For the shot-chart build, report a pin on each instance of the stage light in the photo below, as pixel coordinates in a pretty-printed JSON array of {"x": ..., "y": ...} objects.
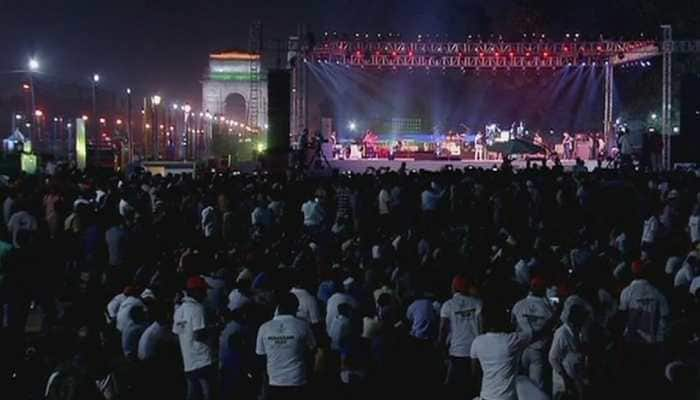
[
  {"x": 654, "y": 116},
  {"x": 85, "y": 117},
  {"x": 511, "y": 54},
  {"x": 38, "y": 113},
  {"x": 18, "y": 116},
  {"x": 676, "y": 129},
  {"x": 119, "y": 121},
  {"x": 352, "y": 126},
  {"x": 102, "y": 121},
  {"x": 545, "y": 54}
]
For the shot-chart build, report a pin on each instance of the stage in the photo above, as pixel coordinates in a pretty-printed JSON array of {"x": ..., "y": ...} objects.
[
  {"x": 360, "y": 166},
  {"x": 436, "y": 165}
]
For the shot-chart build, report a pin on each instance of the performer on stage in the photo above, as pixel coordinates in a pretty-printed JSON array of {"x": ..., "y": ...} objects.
[
  {"x": 568, "y": 144},
  {"x": 479, "y": 150}
]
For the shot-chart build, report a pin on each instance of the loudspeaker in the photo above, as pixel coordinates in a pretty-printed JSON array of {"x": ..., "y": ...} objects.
[
  {"x": 685, "y": 145},
  {"x": 278, "y": 109}
]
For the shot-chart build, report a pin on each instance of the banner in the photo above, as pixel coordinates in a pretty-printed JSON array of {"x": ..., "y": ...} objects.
[{"x": 80, "y": 143}]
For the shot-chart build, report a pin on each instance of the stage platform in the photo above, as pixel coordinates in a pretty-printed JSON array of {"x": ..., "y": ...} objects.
[{"x": 360, "y": 166}]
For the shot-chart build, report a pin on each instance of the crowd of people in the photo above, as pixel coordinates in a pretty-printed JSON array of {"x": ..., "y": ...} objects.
[{"x": 502, "y": 284}]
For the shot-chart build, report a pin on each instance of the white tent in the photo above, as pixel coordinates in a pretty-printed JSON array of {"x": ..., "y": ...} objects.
[{"x": 14, "y": 143}]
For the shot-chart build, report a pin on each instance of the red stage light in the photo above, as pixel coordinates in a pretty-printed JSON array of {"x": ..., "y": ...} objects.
[
  {"x": 566, "y": 48},
  {"x": 527, "y": 54},
  {"x": 599, "y": 48},
  {"x": 481, "y": 54},
  {"x": 393, "y": 53},
  {"x": 545, "y": 54},
  {"x": 498, "y": 54},
  {"x": 410, "y": 54},
  {"x": 358, "y": 53},
  {"x": 511, "y": 54}
]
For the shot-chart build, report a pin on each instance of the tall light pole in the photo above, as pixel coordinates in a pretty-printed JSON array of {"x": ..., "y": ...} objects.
[
  {"x": 128, "y": 125},
  {"x": 155, "y": 100},
  {"x": 95, "y": 129},
  {"x": 33, "y": 67},
  {"x": 186, "y": 135}
]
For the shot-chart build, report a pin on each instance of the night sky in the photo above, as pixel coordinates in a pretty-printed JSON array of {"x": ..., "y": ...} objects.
[{"x": 162, "y": 46}]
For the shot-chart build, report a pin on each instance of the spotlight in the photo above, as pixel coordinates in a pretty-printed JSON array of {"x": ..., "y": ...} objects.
[{"x": 352, "y": 126}]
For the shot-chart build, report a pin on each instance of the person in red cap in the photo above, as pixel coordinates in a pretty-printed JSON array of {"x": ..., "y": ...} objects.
[
  {"x": 190, "y": 325},
  {"x": 460, "y": 324},
  {"x": 532, "y": 314}
]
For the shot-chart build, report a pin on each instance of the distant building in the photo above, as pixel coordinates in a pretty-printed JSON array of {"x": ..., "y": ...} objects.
[{"x": 235, "y": 86}]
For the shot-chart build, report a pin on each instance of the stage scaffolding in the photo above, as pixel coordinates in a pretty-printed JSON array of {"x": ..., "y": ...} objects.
[{"x": 393, "y": 53}]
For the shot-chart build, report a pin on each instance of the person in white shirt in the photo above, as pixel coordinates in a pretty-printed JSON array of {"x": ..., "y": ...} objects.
[
  {"x": 645, "y": 313},
  {"x": 132, "y": 332},
  {"x": 308, "y": 305},
  {"x": 340, "y": 331},
  {"x": 338, "y": 298},
  {"x": 189, "y": 324},
  {"x": 460, "y": 324},
  {"x": 286, "y": 342},
  {"x": 566, "y": 355},
  {"x": 646, "y": 309},
  {"x": 384, "y": 201},
  {"x": 314, "y": 214},
  {"x": 431, "y": 197},
  {"x": 156, "y": 336},
  {"x": 210, "y": 222},
  {"x": 689, "y": 270},
  {"x": 239, "y": 296},
  {"x": 132, "y": 299},
  {"x": 531, "y": 314},
  {"x": 694, "y": 225},
  {"x": 21, "y": 221},
  {"x": 497, "y": 352},
  {"x": 650, "y": 231}
]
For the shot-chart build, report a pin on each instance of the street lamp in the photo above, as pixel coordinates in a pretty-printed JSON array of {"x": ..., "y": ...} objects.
[
  {"x": 33, "y": 64},
  {"x": 33, "y": 68},
  {"x": 156, "y": 99},
  {"x": 95, "y": 133}
]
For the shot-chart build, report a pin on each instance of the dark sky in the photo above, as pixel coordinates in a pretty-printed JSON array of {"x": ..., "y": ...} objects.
[{"x": 162, "y": 45}]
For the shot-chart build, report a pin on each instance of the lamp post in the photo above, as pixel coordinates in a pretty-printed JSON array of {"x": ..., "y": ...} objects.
[
  {"x": 33, "y": 67},
  {"x": 129, "y": 137},
  {"x": 186, "y": 135},
  {"x": 95, "y": 129},
  {"x": 155, "y": 100}
]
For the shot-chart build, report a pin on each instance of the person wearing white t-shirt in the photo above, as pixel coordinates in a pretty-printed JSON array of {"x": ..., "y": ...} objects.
[
  {"x": 497, "y": 352},
  {"x": 531, "y": 314},
  {"x": 566, "y": 355},
  {"x": 308, "y": 305},
  {"x": 650, "y": 230},
  {"x": 338, "y": 298},
  {"x": 646, "y": 309},
  {"x": 645, "y": 313},
  {"x": 689, "y": 270},
  {"x": 460, "y": 324},
  {"x": 287, "y": 343},
  {"x": 124, "y": 311},
  {"x": 694, "y": 225},
  {"x": 189, "y": 324}
]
